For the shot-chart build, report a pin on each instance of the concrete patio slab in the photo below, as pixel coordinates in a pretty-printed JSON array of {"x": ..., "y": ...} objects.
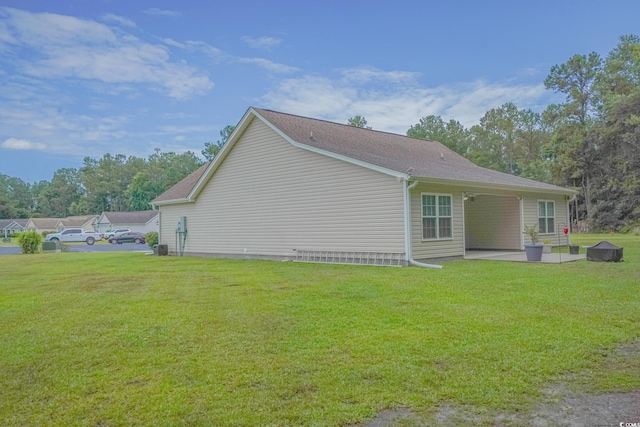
[{"x": 520, "y": 256}]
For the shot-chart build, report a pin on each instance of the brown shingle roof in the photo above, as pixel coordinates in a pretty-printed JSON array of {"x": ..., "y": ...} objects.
[
  {"x": 136, "y": 217},
  {"x": 45, "y": 223},
  {"x": 4, "y": 223},
  {"x": 401, "y": 154},
  {"x": 77, "y": 221},
  {"x": 425, "y": 159},
  {"x": 182, "y": 189},
  {"x": 20, "y": 221}
]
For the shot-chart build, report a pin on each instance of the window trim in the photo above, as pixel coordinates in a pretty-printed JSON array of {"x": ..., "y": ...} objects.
[
  {"x": 422, "y": 217},
  {"x": 552, "y": 232}
]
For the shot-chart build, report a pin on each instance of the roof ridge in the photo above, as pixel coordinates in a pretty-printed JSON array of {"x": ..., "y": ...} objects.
[{"x": 344, "y": 124}]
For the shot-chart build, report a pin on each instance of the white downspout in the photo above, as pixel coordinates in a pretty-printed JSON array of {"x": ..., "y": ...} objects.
[
  {"x": 521, "y": 198},
  {"x": 464, "y": 226},
  {"x": 407, "y": 227}
]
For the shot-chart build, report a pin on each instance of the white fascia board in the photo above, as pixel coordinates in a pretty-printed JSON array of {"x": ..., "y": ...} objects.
[
  {"x": 101, "y": 217},
  {"x": 351, "y": 160},
  {"x": 489, "y": 186},
  {"x": 171, "y": 202},
  {"x": 331, "y": 154},
  {"x": 152, "y": 218},
  {"x": 233, "y": 138}
]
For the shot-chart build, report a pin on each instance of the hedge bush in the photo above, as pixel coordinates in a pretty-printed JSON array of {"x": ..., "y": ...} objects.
[
  {"x": 151, "y": 238},
  {"x": 30, "y": 242}
]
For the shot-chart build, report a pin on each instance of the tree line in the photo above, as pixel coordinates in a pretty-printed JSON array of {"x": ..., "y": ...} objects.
[
  {"x": 590, "y": 142},
  {"x": 111, "y": 183}
]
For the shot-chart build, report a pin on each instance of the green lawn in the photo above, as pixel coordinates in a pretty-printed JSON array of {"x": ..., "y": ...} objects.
[{"x": 122, "y": 339}]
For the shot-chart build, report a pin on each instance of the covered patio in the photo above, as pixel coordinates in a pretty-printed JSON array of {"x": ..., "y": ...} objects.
[{"x": 520, "y": 256}]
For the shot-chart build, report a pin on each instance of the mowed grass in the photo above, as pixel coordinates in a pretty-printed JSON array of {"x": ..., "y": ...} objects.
[{"x": 122, "y": 339}]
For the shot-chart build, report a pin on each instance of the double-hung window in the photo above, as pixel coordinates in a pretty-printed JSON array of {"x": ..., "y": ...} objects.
[
  {"x": 546, "y": 216},
  {"x": 437, "y": 221}
]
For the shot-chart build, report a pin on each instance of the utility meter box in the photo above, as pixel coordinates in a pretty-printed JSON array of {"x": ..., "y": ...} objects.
[{"x": 182, "y": 225}]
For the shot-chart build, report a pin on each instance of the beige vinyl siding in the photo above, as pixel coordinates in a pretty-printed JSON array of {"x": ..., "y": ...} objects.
[
  {"x": 500, "y": 211},
  {"x": 427, "y": 249},
  {"x": 271, "y": 198},
  {"x": 531, "y": 217},
  {"x": 169, "y": 215},
  {"x": 493, "y": 222}
]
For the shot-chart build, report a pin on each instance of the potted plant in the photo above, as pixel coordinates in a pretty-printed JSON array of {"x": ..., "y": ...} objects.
[
  {"x": 547, "y": 247},
  {"x": 533, "y": 250}
]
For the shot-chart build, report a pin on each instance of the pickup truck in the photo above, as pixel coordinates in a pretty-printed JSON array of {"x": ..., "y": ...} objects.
[{"x": 73, "y": 235}]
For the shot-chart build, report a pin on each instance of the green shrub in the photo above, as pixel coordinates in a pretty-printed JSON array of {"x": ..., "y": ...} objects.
[
  {"x": 631, "y": 228},
  {"x": 532, "y": 232},
  {"x": 151, "y": 238},
  {"x": 30, "y": 242}
]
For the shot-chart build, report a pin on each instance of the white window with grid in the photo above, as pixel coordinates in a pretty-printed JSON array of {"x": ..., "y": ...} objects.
[
  {"x": 546, "y": 216},
  {"x": 437, "y": 219}
]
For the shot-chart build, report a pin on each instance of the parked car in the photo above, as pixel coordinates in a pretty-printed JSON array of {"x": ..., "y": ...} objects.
[
  {"x": 73, "y": 235},
  {"x": 130, "y": 237},
  {"x": 112, "y": 233}
]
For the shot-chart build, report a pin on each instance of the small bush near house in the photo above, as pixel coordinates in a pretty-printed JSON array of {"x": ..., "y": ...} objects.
[
  {"x": 30, "y": 241},
  {"x": 151, "y": 238}
]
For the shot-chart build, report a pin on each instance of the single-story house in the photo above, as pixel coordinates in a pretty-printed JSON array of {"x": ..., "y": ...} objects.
[
  {"x": 9, "y": 227},
  {"x": 86, "y": 222},
  {"x": 141, "y": 221},
  {"x": 42, "y": 225},
  {"x": 291, "y": 187}
]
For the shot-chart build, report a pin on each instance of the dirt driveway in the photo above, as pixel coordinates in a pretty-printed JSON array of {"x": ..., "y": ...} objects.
[{"x": 567, "y": 403}]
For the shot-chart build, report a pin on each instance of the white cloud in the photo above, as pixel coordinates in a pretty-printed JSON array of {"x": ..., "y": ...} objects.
[
  {"x": 5, "y": 34},
  {"x": 397, "y": 105},
  {"x": 261, "y": 42},
  {"x": 49, "y": 29},
  {"x": 207, "y": 49},
  {"x": 66, "y": 46},
  {"x": 117, "y": 19},
  {"x": 162, "y": 12},
  {"x": 173, "y": 43},
  {"x": 268, "y": 65},
  {"x": 63, "y": 131},
  {"x": 186, "y": 129},
  {"x": 21, "y": 144},
  {"x": 367, "y": 74},
  {"x": 220, "y": 55}
]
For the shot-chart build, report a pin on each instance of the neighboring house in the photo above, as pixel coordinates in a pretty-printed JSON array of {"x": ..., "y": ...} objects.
[
  {"x": 286, "y": 187},
  {"x": 41, "y": 225},
  {"x": 141, "y": 221},
  {"x": 9, "y": 227},
  {"x": 86, "y": 222}
]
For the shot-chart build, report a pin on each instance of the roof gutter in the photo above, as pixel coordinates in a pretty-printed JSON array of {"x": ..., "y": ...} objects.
[
  {"x": 504, "y": 187},
  {"x": 407, "y": 227},
  {"x": 345, "y": 158},
  {"x": 170, "y": 202}
]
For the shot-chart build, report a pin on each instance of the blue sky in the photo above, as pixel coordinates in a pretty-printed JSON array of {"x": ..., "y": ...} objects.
[{"x": 87, "y": 77}]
